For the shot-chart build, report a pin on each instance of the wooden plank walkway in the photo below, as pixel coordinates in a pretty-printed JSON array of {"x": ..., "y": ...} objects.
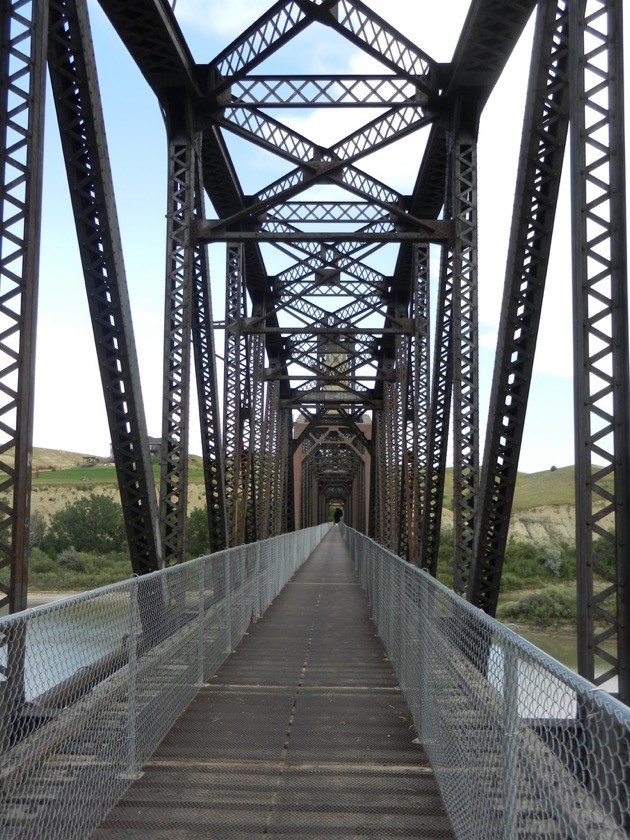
[{"x": 302, "y": 733}]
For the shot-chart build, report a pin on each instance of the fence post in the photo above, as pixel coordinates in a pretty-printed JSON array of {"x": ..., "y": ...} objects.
[
  {"x": 201, "y": 620},
  {"x": 258, "y": 584},
  {"x": 132, "y": 691},
  {"x": 228, "y": 603},
  {"x": 510, "y": 743}
]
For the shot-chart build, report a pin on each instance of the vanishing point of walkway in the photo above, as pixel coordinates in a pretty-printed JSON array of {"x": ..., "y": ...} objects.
[{"x": 303, "y": 732}]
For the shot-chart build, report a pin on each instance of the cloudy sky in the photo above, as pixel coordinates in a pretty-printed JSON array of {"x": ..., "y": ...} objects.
[{"x": 69, "y": 412}]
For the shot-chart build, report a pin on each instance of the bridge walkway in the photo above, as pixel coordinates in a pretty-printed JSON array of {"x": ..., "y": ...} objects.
[{"x": 303, "y": 732}]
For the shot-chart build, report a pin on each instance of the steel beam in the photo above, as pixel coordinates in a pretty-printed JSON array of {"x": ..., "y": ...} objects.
[
  {"x": 538, "y": 182},
  {"x": 178, "y": 305},
  {"x": 208, "y": 390},
  {"x": 81, "y": 124},
  {"x": 236, "y": 401},
  {"x": 600, "y": 323},
  {"x": 22, "y": 55},
  {"x": 23, "y": 31},
  {"x": 439, "y": 417},
  {"x": 465, "y": 348},
  {"x": 417, "y": 454}
]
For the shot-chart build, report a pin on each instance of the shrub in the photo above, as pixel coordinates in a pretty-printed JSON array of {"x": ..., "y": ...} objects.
[
  {"x": 40, "y": 563},
  {"x": 197, "y": 536},
  {"x": 554, "y": 607},
  {"x": 69, "y": 559},
  {"x": 89, "y": 524},
  {"x": 37, "y": 528}
]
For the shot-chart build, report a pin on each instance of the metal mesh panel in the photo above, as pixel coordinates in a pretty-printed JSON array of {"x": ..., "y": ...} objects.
[
  {"x": 521, "y": 746},
  {"x": 89, "y": 686}
]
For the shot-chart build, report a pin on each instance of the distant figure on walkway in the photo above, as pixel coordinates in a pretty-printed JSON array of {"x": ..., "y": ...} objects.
[{"x": 338, "y": 515}]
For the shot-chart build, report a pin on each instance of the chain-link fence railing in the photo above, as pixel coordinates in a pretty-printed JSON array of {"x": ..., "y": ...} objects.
[
  {"x": 521, "y": 746},
  {"x": 90, "y": 685}
]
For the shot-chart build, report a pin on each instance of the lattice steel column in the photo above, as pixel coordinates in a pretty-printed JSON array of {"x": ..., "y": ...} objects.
[
  {"x": 266, "y": 461},
  {"x": 538, "y": 181},
  {"x": 207, "y": 389},
  {"x": 81, "y": 125},
  {"x": 285, "y": 480},
  {"x": 237, "y": 420},
  {"x": 381, "y": 485},
  {"x": 418, "y": 409},
  {"x": 602, "y": 394},
  {"x": 177, "y": 342},
  {"x": 22, "y": 53},
  {"x": 465, "y": 358},
  {"x": 440, "y": 409},
  {"x": 403, "y": 439},
  {"x": 260, "y": 464}
]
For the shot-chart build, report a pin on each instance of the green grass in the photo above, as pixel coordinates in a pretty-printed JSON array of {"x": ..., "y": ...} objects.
[
  {"x": 548, "y": 488},
  {"x": 100, "y": 475},
  {"x": 551, "y": 487},
  {"x": 539, "y": 489}
]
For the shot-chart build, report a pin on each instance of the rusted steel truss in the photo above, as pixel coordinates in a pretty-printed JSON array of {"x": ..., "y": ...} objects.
[{"x": 328, "y": 398}]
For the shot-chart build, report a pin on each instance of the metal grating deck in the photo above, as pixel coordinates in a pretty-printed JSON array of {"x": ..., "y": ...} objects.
[{"x": 303, "y": 732}]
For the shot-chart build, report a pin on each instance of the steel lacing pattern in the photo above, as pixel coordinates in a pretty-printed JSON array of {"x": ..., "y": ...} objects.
[
  {"x": 79, "y": 112},
  {"x": 601, "y": 346},
  {"x": 382, "y": 40},
  {"x": 362, "y": 91},
  {"x": 207, "y": 387},
  {"x": 441, "y": 392},
  {"x": 178, "y": 318},
  {"x": 259, "y": 41},
  {"x": 23, "y": 38},
  {"x": 545, "y": 126},
  {"x": 465, "y": 363}
]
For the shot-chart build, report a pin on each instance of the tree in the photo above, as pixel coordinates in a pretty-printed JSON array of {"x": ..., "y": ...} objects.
[
  {"x": 92, "y": 524},
  {"x": 37, "y": 530},
  {"x": 197, "y": 535}
]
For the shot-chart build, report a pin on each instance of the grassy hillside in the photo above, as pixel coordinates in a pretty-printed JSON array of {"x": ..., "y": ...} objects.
[
  {"x": 55, "y": 468},
  {"x": 540, "y": 489}
]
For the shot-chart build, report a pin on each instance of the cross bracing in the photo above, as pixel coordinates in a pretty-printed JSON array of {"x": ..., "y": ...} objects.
[{"x": 330, "y": 379}]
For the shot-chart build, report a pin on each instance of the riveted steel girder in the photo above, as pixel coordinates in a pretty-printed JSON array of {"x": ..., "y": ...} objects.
[
  {"x": 600, "y": 313},
  {"x": 81, "y": 124},
  {"x": 208, "y": 389},
  {"x": 177, "y": 343},
  {"x": 439, "y": 417},
  {"x": 23, "y": 31},
  {"x": 465, "y": 350},
  {"x": 538, "y": 183}
]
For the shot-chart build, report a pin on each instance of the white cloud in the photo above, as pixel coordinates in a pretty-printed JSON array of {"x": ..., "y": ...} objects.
[{"x": 217, "y": 17}]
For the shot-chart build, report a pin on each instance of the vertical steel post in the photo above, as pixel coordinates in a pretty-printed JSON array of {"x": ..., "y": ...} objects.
[
  {"x": 602, "y": 391},
  {"x": 23, "y": 33},
  {"x": 441, "y": 392},
  {"x": 82, "y": 128},
  {"x": 538, "y": 181},
  {"x": 419, "y": 402},
  {"x": 236, "y": 403},
  {"x": 177, "y": 340},
  {"x": 260, "y": 462},
  {"x": 207, "y": 386},
  {"x": 465, "y": 356}
]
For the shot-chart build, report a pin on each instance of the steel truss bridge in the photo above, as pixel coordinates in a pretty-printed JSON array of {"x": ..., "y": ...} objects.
[{"x": 341, "y": 380}]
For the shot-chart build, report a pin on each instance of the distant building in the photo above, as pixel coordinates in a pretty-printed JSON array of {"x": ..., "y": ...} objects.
[{"x": 155, "y": 448}]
